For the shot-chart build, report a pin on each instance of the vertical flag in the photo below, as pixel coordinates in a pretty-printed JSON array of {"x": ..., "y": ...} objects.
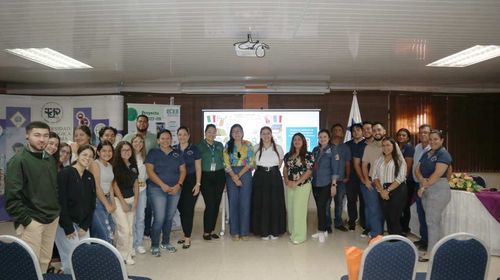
[{"x": 354, "y": 116}]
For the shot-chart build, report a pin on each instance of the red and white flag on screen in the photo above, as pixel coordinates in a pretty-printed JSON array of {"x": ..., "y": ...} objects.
[{"x": 354, "y": 116}]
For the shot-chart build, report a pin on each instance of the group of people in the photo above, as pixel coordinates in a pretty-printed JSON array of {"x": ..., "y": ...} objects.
[{"x": 120, "y": 192}]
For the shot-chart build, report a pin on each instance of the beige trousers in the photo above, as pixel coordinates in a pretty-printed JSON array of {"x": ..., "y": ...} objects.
[
  {"x": 124, "y": 228},
  {"x": 40, "y": 237}
]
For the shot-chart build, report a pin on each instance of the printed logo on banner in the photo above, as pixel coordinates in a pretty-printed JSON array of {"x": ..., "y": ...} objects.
[
  {"x": 52, "y": 112},
  {"x": 172, "y": 112},
  {"x": 82, "y": 116},
  {"x": 18, "y": 116}
]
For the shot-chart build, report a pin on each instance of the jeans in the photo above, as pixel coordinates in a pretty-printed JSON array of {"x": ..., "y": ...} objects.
[
  {"x": 65, "y": 245},
  {"x": 102, "y": 223},
  {"x": 421, "y": 217},
  {"x": 164, "y": 207},
  {"x": 373, "y": 212},
  {"x": 139, "y": 218},
  {"x": 240, "y": 200},
  {"x": 338, "y": 198}
]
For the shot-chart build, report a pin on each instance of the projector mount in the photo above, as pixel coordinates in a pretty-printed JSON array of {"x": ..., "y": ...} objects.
[{"x": 250, "y": 47}]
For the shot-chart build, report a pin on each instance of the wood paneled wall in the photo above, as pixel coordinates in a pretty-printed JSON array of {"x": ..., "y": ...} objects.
[{"x": 471, "y": 121}]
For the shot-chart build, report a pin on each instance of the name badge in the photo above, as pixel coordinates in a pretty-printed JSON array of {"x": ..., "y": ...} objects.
[
  {"x": 212, "y": 166},
  {"x": 337, "y": 157}
]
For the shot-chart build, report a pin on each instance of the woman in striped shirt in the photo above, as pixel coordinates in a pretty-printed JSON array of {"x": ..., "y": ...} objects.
[{"x": 389, "y": 179}]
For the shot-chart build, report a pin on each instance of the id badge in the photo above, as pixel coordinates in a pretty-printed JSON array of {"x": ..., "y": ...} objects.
[{"x": 212, "y": 166}]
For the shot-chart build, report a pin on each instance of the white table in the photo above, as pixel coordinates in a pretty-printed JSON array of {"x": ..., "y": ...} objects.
[{"x": 465, "y": 213}]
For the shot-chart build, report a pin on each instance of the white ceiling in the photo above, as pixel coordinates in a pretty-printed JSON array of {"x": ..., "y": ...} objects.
[{"x": 169, "y": 46}]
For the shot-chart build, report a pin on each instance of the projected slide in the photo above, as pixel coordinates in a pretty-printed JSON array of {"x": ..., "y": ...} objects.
[{"x": 284, "y": 123}]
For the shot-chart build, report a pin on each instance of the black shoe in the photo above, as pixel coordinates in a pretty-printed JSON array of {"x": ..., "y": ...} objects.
[
  {"x": 329, "y": 229},
  {"x": 181, "y": 241},
  {"x": 419, "y": 243},
  {"x": 352, "y": 227},
  {"x": 365, "y": 233},
  {"x": 207, "y": 236},
  {"x": 341, "y": 228},
  {"x": 214, "y": 236}
]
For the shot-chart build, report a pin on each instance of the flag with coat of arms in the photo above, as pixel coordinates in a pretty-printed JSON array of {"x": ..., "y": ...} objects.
[{"x": 354, "y": 116}]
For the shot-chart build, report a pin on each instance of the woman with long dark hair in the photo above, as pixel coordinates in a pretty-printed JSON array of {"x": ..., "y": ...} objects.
[
  {"x": 268, "y": 196},
  {"x": 64, "y": 156},
  {"x": 325, "y": 173},
  {"x": 166, "y": 171},
  {"x": 82, "y": 135},
  {"x": 238, "y": 159},
  {"x": 213, "y": 179},
  {"x": 126, "y": 190},
  {"x": 76, "y": 188},
  {"x": 192, "y": 183},
  {"x": 434, "y": 190},
  {"x": 140, "y": 156},
  {"x": 297, "y": 173},
  {"x": 403, "y": 138},
  {"x": 102, "y": 169},
  {"x": 389, "y": 179}
]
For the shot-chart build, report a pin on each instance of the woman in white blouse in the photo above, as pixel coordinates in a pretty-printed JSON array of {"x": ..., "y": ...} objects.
[
  {"x": 140, "y": 155},
  {"x": 268, "y": 198},
  {"x": 389, "y": 179}
]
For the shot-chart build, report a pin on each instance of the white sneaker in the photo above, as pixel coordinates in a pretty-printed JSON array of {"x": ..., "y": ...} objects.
[
  {"x": 321, "y": 237},
  {"x": 140, "y": 250},
  {"x": 316, "y": 235},
  {"x": 129, "y": 261},
  {"x": 132, "y": 253},
  {"x": 326, "y": 233},
  {"x": 266, "y": 238},
  {"x": 274, "y": 237}
]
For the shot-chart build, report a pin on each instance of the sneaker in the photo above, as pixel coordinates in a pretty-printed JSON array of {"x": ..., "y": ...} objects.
[
  {"x": 365, "y": 233},
  {"x": 352, "y": 227},
  {"x": 129, "y": 261},
  {"x": 132, "y": 253},
  {"x": 341, "y": 228},
  {"x": 235, "y": 237},
  {"x": 321, "y": 237},
  {"x": 273, "y": 237},
  {"x": 266, "y": 237},
  {"x": 329, "y": 229},
  {"x": 316, "y": 235},
  {"x": 326, "y": 233},
  {"x": 245, "y": 238},
  {"x": 140, "y": 250},
  {"x": 168, "y": 247},
  {"x": 155, "y": 252}
]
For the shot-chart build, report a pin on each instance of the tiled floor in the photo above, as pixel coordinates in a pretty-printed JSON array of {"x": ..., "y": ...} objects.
[{"x": 254, "y": 259}]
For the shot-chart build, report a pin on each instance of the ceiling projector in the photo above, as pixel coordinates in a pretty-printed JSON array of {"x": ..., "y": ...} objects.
[{"x": 250, "y": 48}]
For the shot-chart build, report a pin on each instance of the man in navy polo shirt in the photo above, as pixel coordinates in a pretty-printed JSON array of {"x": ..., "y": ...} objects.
[{"x": 356, "y": 144}]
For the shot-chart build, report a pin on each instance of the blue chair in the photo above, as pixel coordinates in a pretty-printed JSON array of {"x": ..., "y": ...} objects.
[
  {"x": 18, "y": 261},
  {"x": 95, "y": 259},
  {"x": 392, "y": 257},
  {"x": 458, "y": 256}
]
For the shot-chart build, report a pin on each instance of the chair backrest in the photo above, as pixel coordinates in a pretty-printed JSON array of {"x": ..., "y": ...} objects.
[
  {"x": 392, "y": 257},
  {"x": 94, "y": 259},
  {"x": 17, "y": 260},
  {"x": 459, "y": 256}
]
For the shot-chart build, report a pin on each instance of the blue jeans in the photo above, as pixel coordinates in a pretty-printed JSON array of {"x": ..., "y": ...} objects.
[
  {"x": 373, "y": 213},
  {"x": 240, "y": 199},
  {"x": 102, "y": 223},
  {"x": 338, "y": 198},
  {"x": 139, "y": 218},
  {"x": 421, "y": 216},
  {"x": 164, "y": 206},
  {"x": 66, "y": 245}
]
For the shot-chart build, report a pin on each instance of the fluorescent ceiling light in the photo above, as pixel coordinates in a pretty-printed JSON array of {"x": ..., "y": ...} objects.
[
  {"x": 49, "y": 57},
  {"x": 468, "y": 56}
]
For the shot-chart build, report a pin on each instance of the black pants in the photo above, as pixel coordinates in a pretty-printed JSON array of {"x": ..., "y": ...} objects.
[
  {"x": 406, "y": 215},
  {"x": 393, "y": 208},
  {"x": 353, "y": 193},
  {"x": 186, "y": 204},
  {"x": 212, "y": 186},
  {"x": 321, "y": 194},
  {"x": 148, "y": 218}
]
